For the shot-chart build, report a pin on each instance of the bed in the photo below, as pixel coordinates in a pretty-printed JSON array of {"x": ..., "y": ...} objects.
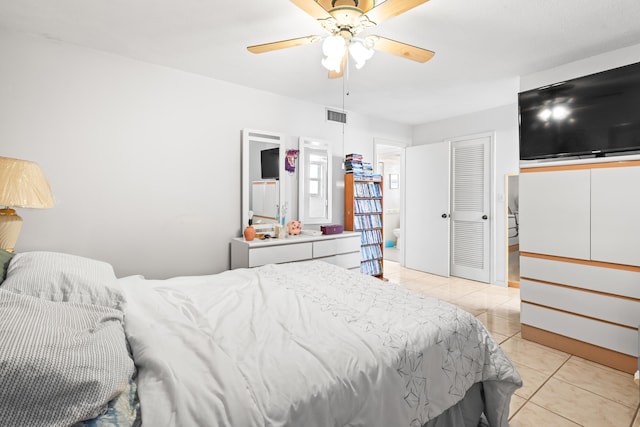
[{"x": 301, "y": 344}]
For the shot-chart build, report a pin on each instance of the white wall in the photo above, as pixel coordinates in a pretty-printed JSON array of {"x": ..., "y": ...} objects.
[
  {"x": 583, "y": 67},
  {"x": 144, "y": 161},
  {"x": 503, "y": 121}
]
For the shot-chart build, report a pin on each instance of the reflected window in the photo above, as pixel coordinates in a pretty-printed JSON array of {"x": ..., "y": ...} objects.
[
  {"x": 315, "y": 172},
  {"x": 315, "y": 182}
]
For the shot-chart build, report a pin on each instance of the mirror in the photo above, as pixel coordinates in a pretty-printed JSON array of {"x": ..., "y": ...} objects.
[
  {"x": 314, "y": 186},
  {"x": 262, "y": 178}
]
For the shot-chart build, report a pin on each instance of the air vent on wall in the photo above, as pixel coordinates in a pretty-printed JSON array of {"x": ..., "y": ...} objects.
[{"x": 336, "y": 116}]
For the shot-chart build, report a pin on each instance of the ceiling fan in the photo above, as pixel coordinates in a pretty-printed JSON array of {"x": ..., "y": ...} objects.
[{"x": 344, "y": 20}]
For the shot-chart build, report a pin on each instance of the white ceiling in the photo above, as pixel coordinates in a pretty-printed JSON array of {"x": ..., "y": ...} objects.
[{"x": 481, "y": 46}]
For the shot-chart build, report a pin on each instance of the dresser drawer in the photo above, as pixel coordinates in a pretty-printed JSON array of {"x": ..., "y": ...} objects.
[
  {"x": 349, "y": 261},
  {"x": 603, "y": 334},
  {"x": 621, "y": 311},
  {"x": 348, "y": 244},
  {"x": 595, "y": 278},
  {"x": 279, "y": 254},
  {"x": 324, "y": 248}
]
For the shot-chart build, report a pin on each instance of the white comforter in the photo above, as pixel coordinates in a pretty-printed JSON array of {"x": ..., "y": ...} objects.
[{"x": 305, "y": 344}]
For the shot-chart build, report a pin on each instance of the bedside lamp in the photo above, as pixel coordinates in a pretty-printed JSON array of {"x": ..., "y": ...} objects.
[{"x": 22, "y": 185}]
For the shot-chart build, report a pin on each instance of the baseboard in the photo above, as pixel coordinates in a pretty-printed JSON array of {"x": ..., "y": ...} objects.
[
  {"x": 514, "y": 284},
  {"x": 613, "y": 359}
]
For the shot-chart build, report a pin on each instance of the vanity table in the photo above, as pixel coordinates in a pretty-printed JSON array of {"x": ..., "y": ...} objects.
[
  {"x": 315, "y": 205},
  {"x": 339, "y": 249}
]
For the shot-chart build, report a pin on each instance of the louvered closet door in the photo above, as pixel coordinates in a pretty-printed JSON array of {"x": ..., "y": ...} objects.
[{"x": 470, "y": 209}]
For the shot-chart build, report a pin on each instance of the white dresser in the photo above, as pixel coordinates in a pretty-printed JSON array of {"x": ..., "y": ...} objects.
[
  {"x": 339, "y": 249},
  {"x": 580, "y": 260}
]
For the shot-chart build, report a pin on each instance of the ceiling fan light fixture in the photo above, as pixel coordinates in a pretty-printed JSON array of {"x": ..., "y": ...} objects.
[
  {"x": 344, "y": 20},
  {"x": 332, "y": 63},
  {"x": 360, "y": 53},
  {"x": 334, "y": 46}
]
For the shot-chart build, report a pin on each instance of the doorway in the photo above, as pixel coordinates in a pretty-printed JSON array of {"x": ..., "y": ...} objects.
[
  {"x": 389, "y": 157},
  {"x": 513, "y": 231}
]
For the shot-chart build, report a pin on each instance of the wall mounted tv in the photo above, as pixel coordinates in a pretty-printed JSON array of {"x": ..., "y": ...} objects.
[
  {"x": 591, "y": 116},
  {"x": 269, "y": 163}
]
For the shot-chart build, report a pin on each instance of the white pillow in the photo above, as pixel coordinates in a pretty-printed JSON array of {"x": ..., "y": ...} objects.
[{"x": 64, "y": 278}]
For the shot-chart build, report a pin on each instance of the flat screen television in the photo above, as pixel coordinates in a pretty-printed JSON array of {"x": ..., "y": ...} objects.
[
  {"x": 269, "y": 163},
  {"x": 591, "y": 116}
]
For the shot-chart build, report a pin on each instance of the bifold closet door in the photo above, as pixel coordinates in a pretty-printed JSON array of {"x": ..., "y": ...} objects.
[
  {"x": 426, "y": 227},
  {"x": 471, "y": 208}
]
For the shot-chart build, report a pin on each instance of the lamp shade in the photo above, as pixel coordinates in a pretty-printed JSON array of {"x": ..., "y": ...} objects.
[{"x": 23, "y": 185}]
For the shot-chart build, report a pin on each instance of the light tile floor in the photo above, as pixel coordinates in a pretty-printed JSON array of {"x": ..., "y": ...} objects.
[{"x": 559, "y": 389}]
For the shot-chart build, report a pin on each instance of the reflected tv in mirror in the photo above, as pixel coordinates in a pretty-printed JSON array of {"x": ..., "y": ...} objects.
[
  {"x": 591, "y": 116},
  {"x": 269, "y": 163}
]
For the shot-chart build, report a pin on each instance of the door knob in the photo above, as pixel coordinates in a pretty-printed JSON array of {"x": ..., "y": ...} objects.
[
  {"x": 484, "y": 217},
  {"x": 444, "y": 215}
]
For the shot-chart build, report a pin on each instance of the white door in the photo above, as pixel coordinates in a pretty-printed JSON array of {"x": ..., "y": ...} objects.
[
  {"x": 471, "y": 208},
  {"x": 426, "y": 227}
]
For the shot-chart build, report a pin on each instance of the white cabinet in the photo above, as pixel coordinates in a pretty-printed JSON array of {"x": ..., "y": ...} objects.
[
  {"x": 554, "y": 213},
  {"x": 339, "y": 249},
  {"x": 615, "y": 215},
  {"x": 580, "y": 260},
  {"x": 590, "y": 214}
]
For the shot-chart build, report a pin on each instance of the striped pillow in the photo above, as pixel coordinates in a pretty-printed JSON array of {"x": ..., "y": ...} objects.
[
  {"x": 64, "y": 278},
  {"x": 60, "y": 362}
]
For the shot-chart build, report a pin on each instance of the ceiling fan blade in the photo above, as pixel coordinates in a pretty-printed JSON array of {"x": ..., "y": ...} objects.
[
  {"x": 343, "y": 65},
  {"x": 312, "y": 8},
  {"x": 391, "y": 8},
  {"x": 401, "y": 49},
  {"x": 363, "y": 5},
  {"x": 336, "y": 75},
  {"x": 283, "y": 44}
]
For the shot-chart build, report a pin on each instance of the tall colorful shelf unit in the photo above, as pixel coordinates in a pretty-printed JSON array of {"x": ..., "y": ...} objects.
[{"x": 363, "y": 212}]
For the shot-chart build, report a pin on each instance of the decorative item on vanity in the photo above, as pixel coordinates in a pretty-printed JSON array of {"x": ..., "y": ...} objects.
[
  {"x": 22, "y": 185},
  {"x": 290, "y": 161},
  {"x": 331, "y": 229},
  {"x": 294, "y": 227},
  {"x": 280, "y": 231},
  {"x": 249, "y": 231},
  {"x": 283, "y": 213}
]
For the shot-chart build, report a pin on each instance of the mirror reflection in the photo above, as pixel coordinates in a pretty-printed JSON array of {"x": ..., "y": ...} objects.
[
  {"x": 315, "y": 182},
  {"x": 262, "y": 169}
]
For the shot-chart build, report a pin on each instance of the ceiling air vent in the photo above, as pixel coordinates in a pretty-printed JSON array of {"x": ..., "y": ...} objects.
[{"x": 336, "y": 116}]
